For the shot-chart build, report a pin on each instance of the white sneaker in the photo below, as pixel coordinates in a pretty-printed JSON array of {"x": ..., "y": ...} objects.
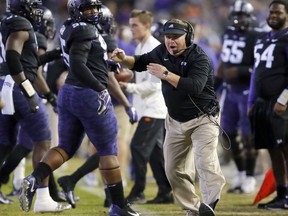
[
  {"x": 44, "y": 206},
  {"x": 249, "y": 185},
  {"x": 237, "y": 181}
]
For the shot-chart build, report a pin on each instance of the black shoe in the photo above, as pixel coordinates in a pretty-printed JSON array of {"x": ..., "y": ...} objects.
[
  {"x": 66, "y": 183},
  {"x": 115, "y": 210},
  {"x": 14, "y": 193},
  {"x": 138, "y": 199},
  {"x": 207, "y": 210},
  {"x": 68, "y": 188},
  {"x": 58, "y": 197},
  {"x": 62, "y": 196},
  {"x": 164, "y": 199},
  {"x": 263, "y": 205},
  {"x": 4, "y": 200},
  {"x": 275, "y": 204}
]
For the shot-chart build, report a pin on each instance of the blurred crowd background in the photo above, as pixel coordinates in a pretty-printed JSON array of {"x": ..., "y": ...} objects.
[{"x": 210, "y": 16}]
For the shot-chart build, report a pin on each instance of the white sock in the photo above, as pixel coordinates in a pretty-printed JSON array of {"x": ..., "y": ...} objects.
[{"x": 43, "y": 195}]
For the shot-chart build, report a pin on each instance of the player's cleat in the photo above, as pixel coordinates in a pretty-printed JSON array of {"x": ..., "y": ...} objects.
[
  {"x": 138, "y": 199},
  {"x": 62, "y": 196},
  {"x": 14, "y": 193},
  {"x": 4, "y": 200},
  {"x": 68, "y": 188},
  {"x": 41, "y": 207},
  {"x": 70, "y": 198},
  {"x": 206, "y": 210},
  {"x": 275, "y": 204},
  {"x": 28, "y": 189},
  {"x": 162, "y": 199},
  {"x": 115, "y": 210},
  {"x": 249, "y": 185}
]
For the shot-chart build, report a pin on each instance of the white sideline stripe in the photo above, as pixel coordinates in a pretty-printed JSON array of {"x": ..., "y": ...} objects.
[
  {"x": 99, "y": 191},
  {"x": 238, "y": 213}
]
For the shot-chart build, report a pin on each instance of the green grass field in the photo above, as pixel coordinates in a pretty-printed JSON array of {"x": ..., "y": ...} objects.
[{"x": 91, "y": 201}]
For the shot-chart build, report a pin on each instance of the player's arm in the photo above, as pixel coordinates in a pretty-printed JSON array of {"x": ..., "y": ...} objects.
[
  {"x": 41, "y": 86},
  {"x": 40, "y": 83},
  {"x": 14, "y": 47},
  {"x": 281, "y": 105}
]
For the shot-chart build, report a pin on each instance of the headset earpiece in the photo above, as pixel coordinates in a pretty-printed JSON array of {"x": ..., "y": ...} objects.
[{"x": 190, "y": 34}]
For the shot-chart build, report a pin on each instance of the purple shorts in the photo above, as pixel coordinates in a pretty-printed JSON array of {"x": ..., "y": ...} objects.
[
  {"x": 35, "y": 126},
  {"x": 77, "y": 110},
  {"x": 234, "y": 114}
]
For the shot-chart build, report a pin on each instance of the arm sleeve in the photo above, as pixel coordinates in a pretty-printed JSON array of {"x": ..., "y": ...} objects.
[{"x": 78, "y": 55}]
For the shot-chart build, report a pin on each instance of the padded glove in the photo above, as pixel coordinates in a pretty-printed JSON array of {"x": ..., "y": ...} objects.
[
  {"x": 52, "y": 99},
  {"x": 131, "y": 112},
  {"x": 104, "y": 102},
  {"x": 30, "y": 95}
]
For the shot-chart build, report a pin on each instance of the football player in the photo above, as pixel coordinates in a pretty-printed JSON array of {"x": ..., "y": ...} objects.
[
  {"x": 268, "y": 99},
  {"x": 84, "y": 92},
  {"x": 19, "y": 64},
  {"x": 235, "y": 69},
  {"x": 106, "y": 27},
  {"x": 22, "y": 64}
]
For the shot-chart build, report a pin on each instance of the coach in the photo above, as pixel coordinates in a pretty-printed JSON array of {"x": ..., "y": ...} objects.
[{"x": 193, "y": 115}]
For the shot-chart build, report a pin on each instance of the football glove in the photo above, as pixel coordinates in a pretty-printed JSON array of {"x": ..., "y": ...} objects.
[
  {"x": 52, "y": 99},
  {"x": 113, "y": 66},
  {"x": 30, "y": 95},
  {"x": 104, "y": 100},
  {"x": 131, "y": 112}
]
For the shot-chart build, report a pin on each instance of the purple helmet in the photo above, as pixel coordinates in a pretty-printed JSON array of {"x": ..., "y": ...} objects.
[
  {"x": 107, "y": 21},
  {"x": 241, "y": 14},
  {"x": 47, "y": 26},
  {"x": 26, "y": 8},
  {"x": 157, "y": 29},
  {"x": 75, "y": 8}
]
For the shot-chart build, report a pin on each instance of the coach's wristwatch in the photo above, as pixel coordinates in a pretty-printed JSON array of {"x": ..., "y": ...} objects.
[{"x": 165, "y": 74}]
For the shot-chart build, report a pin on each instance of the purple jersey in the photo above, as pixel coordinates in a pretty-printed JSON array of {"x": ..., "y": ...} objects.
[{"x": 78, "y": 102}]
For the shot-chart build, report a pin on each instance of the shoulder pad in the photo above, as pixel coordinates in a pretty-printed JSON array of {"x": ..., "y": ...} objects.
[
  {"x": 82, "y": 31},
  {"x": 17, "y": 23},
  {"x": 41, "y": 40}
]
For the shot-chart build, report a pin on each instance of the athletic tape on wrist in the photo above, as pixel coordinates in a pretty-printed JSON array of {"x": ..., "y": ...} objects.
[
  {"x": 28, "y": 88},
  {"x": 283, "y": 98}
]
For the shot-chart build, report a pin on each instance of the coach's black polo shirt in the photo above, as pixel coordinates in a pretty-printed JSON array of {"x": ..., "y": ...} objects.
[{"x": 197, "y": 78}]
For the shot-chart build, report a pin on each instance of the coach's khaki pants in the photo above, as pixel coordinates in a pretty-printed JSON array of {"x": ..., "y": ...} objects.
[{"x": 190, "y": 144}]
